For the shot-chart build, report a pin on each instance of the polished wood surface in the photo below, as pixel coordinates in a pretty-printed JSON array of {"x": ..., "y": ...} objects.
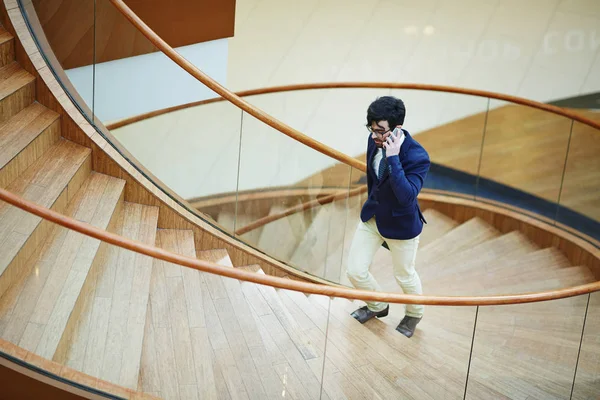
[
  {"x": 253, "y": 341},
  {"x": 133, "y": 17},
  {"x": 23, "y": 233},
  {"x": 107, "y": 343},
  {"x": 141, "y": 184},
  {"x": 24, "y": 138},
  {"x": 38, "y": 308},
  {"x": 17, "y": 90},
  {"x": 81, "y": 32},
  {"x": 7, "y": 47},
  {"x": 590, "y": 255}
]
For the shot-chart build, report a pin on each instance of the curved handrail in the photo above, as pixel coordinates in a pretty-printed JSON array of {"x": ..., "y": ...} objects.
[
  {"x": 367, "y": 85},
  {"x": 283, "y": 283},
  {"x": 295, "y": 134},
  {"x": 236, "y": 100}
]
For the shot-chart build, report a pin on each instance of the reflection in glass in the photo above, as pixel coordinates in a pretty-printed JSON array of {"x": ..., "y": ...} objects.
[
  {"x": 450, "y": 127},
  {"x": 294, "y": 181},
  {"x": 526, "y": 350},
  {"x": 587, "y": 380},
  {"x": 580, "y": 197},
  {"x": 375, "y": 361},
  {"x": 523, "y": 157},
  {"x": 198, "y": 161}
]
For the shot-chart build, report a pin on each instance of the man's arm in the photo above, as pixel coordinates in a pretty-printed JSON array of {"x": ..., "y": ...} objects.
[{"x": 406, "y": 186}]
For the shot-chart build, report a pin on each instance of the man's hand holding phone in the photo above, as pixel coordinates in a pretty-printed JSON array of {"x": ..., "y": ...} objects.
[{"x": 393, "y": 143}]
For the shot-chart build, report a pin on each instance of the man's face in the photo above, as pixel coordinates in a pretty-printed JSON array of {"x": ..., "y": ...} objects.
[{"x": 380, "y": 131}]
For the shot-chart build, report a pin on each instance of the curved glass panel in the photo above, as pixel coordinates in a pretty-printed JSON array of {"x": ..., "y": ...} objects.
[
  {"x": 172, "y": 331},
  {"x": 523, "y": 157},
  {"x": 580, "y": 196},
  {"x": 587, "y": 384},
  {"x": 293, "y": 172},
  {"x": 527, "y": 350}
]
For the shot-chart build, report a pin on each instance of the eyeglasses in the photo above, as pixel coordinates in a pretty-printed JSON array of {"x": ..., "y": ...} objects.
[{"x": 370, "y": 129}]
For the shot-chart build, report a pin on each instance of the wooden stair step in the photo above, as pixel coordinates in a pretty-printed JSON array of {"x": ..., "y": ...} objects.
[
  {"x": 241, "y": 343},
  {"x": 42, "y": 306},
  {"x": 7, "y": 47},
  {"x": 230, "y": 221},
  {"x": 473, "y": 261},
  {"x": 546, "y": 261},
  {"x": 467, "y": 250},
  {"x": 379, "y": 351},
  {"x": 345, "y": 355},
  {"x": 167, "y": 352},
  {"x": 505, "y": 275},
  {"x": 286, "y": 351},
  {"x": 516, "y": 275},
  {"x": 464, "y": 236},
  {"x": 17, "y": 90},
  {"x": 251, "y": 268},
  {"x": 24, "y": 138},
  {"x": 280, "y": 238},
  {"x": 224, "y": 368},
  {"x": 243, "y": 336},
  {"x": 437, "y": 225},
  {"x": 107, "y": 333},
  {"x": 542, "y": 281},
  {"x": 52, "y": 182}
]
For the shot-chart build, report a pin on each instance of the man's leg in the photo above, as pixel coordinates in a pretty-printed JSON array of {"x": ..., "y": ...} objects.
[
  {"x": 404, "y": 254},
  {"x": 365, "y": 244}
]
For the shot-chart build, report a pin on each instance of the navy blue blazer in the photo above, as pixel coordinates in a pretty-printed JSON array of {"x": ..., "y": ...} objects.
[{"x": 393, "y": 200}]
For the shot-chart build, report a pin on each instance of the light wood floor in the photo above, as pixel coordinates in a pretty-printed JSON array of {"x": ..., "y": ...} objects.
[{"x": 177, "y": 333}]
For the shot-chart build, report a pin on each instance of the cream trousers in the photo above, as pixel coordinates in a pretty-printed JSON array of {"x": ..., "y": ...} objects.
[{"x": 365, "y": 244}]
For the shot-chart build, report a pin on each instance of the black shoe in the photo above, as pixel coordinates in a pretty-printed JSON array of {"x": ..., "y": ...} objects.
[
  {"x": 363, "y": 314},
  {"x": 407, "y": 325}
]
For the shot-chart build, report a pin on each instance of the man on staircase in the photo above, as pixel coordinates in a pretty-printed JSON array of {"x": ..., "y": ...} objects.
[{"x": 396, "y": 169}]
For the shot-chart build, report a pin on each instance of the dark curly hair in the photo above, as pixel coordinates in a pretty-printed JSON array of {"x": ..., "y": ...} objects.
[{"x": 386, "y": 108}]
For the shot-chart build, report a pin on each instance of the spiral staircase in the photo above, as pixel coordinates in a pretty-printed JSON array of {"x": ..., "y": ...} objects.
[{"x": 122, "y": 324}]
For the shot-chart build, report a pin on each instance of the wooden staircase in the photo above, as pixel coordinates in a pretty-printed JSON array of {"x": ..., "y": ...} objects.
[{"x": 157, "y": 329}]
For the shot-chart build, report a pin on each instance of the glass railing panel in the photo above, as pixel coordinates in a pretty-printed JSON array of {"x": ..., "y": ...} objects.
[
  {"x": 580, "y": 196},
  {"x": 344, "y": 228},
  {"x": 64, "y": 32},
  {"x": 587, "y": 380},
  {"x": 132, "y": 77},
  {"x": 288, "y": 179},
  {"x": 523, "y": 157},
  {"x": 527, "y": 351},
  {"x": 192, "y": 153},
  {"x": 374, "y": 360},
  {"x": 450, "y": 127},
  {"x": 195, "y": 153}
]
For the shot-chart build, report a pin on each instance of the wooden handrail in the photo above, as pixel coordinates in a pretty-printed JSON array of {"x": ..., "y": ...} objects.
[
  {"x": 304, "y": 287},
  {"x": 231, "y": 97},
  {"x": 366, "y": 85},
  {"x": 301, "y": 207}
]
